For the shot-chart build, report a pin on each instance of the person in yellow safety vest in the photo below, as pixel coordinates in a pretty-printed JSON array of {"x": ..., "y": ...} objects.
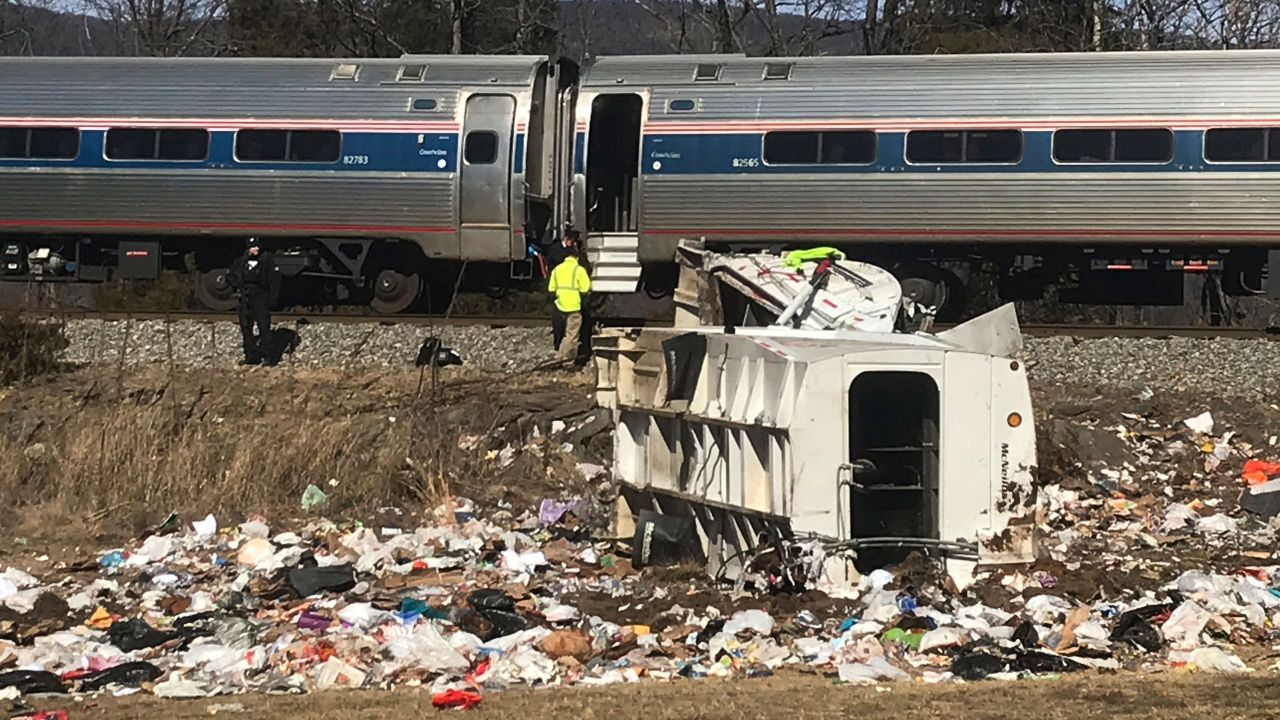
[{"x": 569, "y": 281}]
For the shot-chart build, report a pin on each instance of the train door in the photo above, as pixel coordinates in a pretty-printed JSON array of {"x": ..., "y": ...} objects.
[
  {"x": 611, "y": 212},
  {"x": 485, "y": 195},
  {"x": 613, "y": 163}
]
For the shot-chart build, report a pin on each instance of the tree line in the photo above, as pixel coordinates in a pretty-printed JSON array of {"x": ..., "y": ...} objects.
[{"x": 582, "y": 28}]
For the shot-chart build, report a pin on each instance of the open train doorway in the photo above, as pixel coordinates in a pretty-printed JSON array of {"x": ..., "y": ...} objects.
[
  {"x": 613, "y": 163},
  {"x": 893, "y": 447}
]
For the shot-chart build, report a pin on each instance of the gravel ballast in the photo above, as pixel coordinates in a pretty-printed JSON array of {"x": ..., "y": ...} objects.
[
  {"x": 1220, "y": 366},
  {"x": 319, "y": 344},
  {"x": 1203, "y": 366}
]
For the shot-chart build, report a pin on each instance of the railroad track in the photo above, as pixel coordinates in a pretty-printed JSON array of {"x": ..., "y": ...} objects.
[
  {"x": 293, "y": 318},
  {"x": 1144, "y": 331}
]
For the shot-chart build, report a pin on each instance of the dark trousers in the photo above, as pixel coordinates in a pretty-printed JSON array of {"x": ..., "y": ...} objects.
[
  {"x": 255, "y": 309},
  {"x": 557, "y": 327}
]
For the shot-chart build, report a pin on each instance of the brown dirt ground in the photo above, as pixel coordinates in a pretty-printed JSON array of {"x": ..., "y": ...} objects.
[{"x": 790, "y": 695}]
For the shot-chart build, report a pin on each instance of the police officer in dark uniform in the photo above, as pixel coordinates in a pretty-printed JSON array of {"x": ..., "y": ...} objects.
[{"x": 256, "y": 279}]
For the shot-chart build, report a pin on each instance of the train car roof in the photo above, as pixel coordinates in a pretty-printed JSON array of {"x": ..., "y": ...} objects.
[
  {"x": 377, "y": 88},
  {"x": 1203, "y": 85},
  {"x": 740, "y": 69}
]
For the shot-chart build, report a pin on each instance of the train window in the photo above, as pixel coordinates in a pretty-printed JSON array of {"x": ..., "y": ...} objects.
[
  {"x": 152, "y": 144},
  {"x": 777, "y": 71},
  {"x": 935, "y": 147},
  {"x": 854, "y": 147},
  {"x": 1113, "y": 146},
  {"x": 1082, "y": 146},
  {"x": 13, "y": 142},
  {"x": 313, "y": 146},
  {"x": 1242, "y": 145},
  {"x": 707, "y": 72},
  {"x": 847, "y": 148},
  {"x": 681, "y": 105},
  {"x": 964, "y": 146},
  {"x": 995, "y": 146},
  {"x": 183, "y": 145},
  {"x": 54, "y": 143},
  {"x": 411, "y": 73},
  {"x": 262, "y": 145},
  {"x": 791, "y": 148},
  {"x": 131, "y": 144},
  {"x": 425, "y": 104},
  {"x": 481, "y": 148},
  {"x": 317, "y": 146},
  {"x": 39, "y": 143},
  {"x": 1144, "y": 146}
]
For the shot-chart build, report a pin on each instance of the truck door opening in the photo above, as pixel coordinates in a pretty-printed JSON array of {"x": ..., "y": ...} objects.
[
  {"x": 613, "y": 163},
  {"x": 893, "y": 446}
]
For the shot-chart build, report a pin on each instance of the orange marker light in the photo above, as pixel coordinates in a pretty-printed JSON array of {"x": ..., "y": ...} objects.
[{"x": 1015, "y": 420}]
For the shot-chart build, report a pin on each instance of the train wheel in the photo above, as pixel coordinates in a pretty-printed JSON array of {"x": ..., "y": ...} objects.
[
  {"x": 394, "y": 291},
  {"x": 213, "y": 290}
]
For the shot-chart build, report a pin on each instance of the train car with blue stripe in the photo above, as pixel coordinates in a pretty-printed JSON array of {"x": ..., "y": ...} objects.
[
  {"x": 374, "y": 177},
  {"x": 360, "y": 174},
  {"x": 1094, "y": 164}
]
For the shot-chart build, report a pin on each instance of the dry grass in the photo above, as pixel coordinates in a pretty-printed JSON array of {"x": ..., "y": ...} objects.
[
  {"x": 1123, "y": 697},
  {"x": 119, "y": 450},
  {"x": 28, "y": 349}
]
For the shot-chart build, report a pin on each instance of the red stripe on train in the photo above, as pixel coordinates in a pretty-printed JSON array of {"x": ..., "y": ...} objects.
[
  {"x": 137, "y": 224},
  {"x": 968, "y": 232}
]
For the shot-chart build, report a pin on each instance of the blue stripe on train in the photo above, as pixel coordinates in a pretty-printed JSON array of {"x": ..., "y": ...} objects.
[
  {"x": 739, "y": 154},
  {"x": 361, "y": 152}
]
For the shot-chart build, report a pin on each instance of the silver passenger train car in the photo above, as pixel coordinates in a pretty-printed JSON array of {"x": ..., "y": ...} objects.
[
  {"x": 1122, "y": 170},
  {"x": 352, "y": 170}
]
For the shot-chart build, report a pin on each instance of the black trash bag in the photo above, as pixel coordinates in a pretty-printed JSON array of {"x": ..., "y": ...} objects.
[
  {"x": 663, "y": 540},
  {"x": 130, "y": 635},
  {"x": 1039, "y": 663},
  {"x": 499, "y": 609},
  {"x": 307, "y": 581},
  {"x": 31, "y": 682},
  {"x": 504, "y": 623},
  {"x": 977, "y": 665},
  {"x": 1134, "y": 627},
  {"x": 482, "y": 600},
  {"x": 712, "y": 629},
  {"x": 1026, "y": 635},
  {"x": 129, "y": 675}
]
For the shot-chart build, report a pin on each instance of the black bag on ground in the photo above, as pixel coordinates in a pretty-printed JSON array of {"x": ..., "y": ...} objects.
[
  {"x": 31, "y": 682},
  {"x": 663, "y": 540},
  {"x": 307, "y": 581},
  {"x": 130, "y": 635},
  {"x": 129, "y": 675}
]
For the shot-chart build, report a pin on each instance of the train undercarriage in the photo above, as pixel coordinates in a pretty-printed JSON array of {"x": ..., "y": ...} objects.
[{"x": 390, "y": 276}]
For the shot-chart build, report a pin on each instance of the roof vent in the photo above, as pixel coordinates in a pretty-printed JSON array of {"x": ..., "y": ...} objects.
[
  {"x": 345, "y": 71},
  {"x": 707, "y": 72},
  {"x": 777, "y": 71},
  {"x": 411, "y": 73}
]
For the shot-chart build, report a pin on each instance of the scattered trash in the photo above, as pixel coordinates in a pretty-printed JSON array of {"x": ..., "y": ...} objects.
[
  {"x": 312, "y": 498},
  {"x": 461, "y": 699},
  {"x": 1202, "y": 423}
]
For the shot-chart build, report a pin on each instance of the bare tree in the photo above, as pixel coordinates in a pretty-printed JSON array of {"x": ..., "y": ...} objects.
[{"x": 168, "y": 28}]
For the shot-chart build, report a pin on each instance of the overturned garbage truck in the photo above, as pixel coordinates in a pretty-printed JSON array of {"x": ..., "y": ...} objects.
[{"x": 747, "y": 440}]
